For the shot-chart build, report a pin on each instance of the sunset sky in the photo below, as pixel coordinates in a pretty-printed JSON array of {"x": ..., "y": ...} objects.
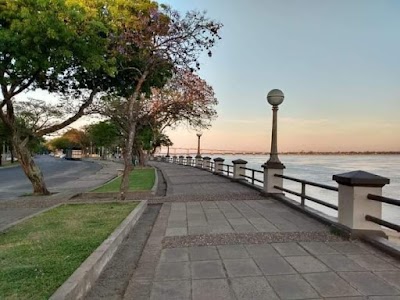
[{"x": 337, "y": 61}]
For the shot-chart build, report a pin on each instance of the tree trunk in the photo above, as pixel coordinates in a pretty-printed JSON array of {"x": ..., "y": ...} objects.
[
  {"x": 28, "y": 166},
  {"x": 128, "y": 166},
  {"x": 11, "y": 149},
  {"x": 141, "y": 156},
  {"x": 133, "y": 107}
]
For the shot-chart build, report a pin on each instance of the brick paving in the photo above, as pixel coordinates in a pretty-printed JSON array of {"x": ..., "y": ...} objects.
[{"x": 230, "y": 248}]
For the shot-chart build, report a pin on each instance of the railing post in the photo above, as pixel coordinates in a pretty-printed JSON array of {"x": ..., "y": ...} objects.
[
  {"x": 303, "y": 194},
  {"x": 199, "y": 161},
  {"x": 270, "y": 180},
  {"x": 174, "y": 159},
  {"x": 238, "y": 164},
  {"x": 354, "y": 205},
  {"x": 189, "y": 160},
  {"x": 206, "y": 163},
  {"x": 218, "y": 167},
  {"x": 181, "y": 160}
]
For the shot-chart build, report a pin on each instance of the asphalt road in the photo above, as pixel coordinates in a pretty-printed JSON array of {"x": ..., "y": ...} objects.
[{"x": 57, "y": 173}]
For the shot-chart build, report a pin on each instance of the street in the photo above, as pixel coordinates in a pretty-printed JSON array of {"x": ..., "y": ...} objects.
[{"x": 57, "y": 173}]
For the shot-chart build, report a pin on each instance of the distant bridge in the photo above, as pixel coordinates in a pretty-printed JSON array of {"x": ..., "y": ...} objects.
[{"x": 193, "y": 151}]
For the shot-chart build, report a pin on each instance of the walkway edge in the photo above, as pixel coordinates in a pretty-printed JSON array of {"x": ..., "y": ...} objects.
[{"x": 81, "y": 281}]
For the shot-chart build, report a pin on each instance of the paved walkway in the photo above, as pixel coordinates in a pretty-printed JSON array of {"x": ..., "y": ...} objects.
[
  {"x": 16, "y": 209},
  {"x": 216, "y": 239}
]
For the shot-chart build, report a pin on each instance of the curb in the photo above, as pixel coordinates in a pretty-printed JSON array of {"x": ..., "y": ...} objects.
[
  {"x": 81, "y": 281},
  {"x": 154, "y": 188}
]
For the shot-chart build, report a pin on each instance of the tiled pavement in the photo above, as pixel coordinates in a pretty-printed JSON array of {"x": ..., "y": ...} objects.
[
  {"x": 274, "y": 271},
  {"x": 236, "y": 216},
  {"x": 293, "y": 269}
]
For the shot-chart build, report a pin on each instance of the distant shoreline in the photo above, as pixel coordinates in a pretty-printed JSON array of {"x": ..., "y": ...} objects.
[
  {"x": 343, "y": 153},
  {"x": 299, "y": 153}
]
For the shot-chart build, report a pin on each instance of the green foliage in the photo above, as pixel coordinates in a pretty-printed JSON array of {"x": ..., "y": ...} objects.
[
  {"x": 38, "y": 255},
  {"x": 40, "y": 40},
  {"x": 103, "y": 134},
  {"x": 139, "y": 180},
  {"x": 73, "y": 138},
  {"x": 59, "y": 143}
]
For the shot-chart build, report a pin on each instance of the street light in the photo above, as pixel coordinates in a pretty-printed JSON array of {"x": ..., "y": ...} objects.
[
  {"x": 275, "y": 98},
  {"x": 199, "y": 134}
]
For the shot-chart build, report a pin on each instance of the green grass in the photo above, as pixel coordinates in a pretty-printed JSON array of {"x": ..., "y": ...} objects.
[
  {"x": 139, "y": 180},
  {"x": 38, "y": 255}
]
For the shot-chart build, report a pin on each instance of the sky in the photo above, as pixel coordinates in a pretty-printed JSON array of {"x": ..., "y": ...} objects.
[{"x": 337, "y": 62}]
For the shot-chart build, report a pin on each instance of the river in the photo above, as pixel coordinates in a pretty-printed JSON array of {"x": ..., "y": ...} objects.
[{"x": 320, "y": 168}]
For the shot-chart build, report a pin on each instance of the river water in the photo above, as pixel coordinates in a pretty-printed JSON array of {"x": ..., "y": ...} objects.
[{"x": 320, "y": 168}]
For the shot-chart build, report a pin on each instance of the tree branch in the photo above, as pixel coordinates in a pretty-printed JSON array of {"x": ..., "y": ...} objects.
[{"x": 70, "y": 120}]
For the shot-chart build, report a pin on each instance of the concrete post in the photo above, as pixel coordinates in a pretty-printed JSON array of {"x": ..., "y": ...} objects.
[
  {"x": 199, "y": 161},
  {"x": 218, "y": 167},
  {"x": 270, "y": 180},
  {"x": 174, "y": 159},
  {"x": 238, "y": 164},
  {"x": 206, "y": 163},
  {"x": 354, "y": 204},
  {"x": 181, "y": 159},
  {"x": 189, "y": 160}
]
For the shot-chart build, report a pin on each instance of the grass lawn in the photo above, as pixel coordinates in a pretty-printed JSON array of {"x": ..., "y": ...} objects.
[
  {"x": 140, "y": 179},
  {"x": 38, "y": 255}
]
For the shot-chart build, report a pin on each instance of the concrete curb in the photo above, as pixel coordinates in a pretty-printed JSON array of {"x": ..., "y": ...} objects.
[
  {"x": 80, "y": 282},
  {"x": 154, "y": 188}
]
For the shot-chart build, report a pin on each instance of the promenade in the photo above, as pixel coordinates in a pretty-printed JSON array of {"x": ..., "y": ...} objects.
[{"x": 217, "y": 239}]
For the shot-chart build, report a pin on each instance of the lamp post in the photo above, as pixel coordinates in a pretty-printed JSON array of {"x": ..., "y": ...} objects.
[
  {"x": 199, "y": 134},
  {"x": 275, "y": 98},
  {"x": 273, "y": 168}
]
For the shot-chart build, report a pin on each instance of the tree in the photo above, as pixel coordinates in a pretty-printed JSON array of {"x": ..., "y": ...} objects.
[
  {"x": 162, "y": 39},
  {"x": 5, "y": 139},
  {"x": 104, "y": 134},
  {"x": 72, "y": 138},
  {"x": 186, "y": 98},
  {"x": 48, "y": 44}
]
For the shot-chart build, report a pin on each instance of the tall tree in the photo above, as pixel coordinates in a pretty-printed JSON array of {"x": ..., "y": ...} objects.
[
  {"x": 47, "y": 44},
  {"x": 161, "y": 38}
]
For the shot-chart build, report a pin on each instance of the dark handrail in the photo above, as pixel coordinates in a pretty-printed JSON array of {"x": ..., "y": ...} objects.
[
  {"x": 257, "y": 171},
  {"x": 252, "y": 178},
  {"x": 308, "y": 198},
  {"x": 227, "y": 170},
  {"x": 323, "y": 186},
  {"x": 382, "y": 222},
  {"x": 384, "y": 199}
]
